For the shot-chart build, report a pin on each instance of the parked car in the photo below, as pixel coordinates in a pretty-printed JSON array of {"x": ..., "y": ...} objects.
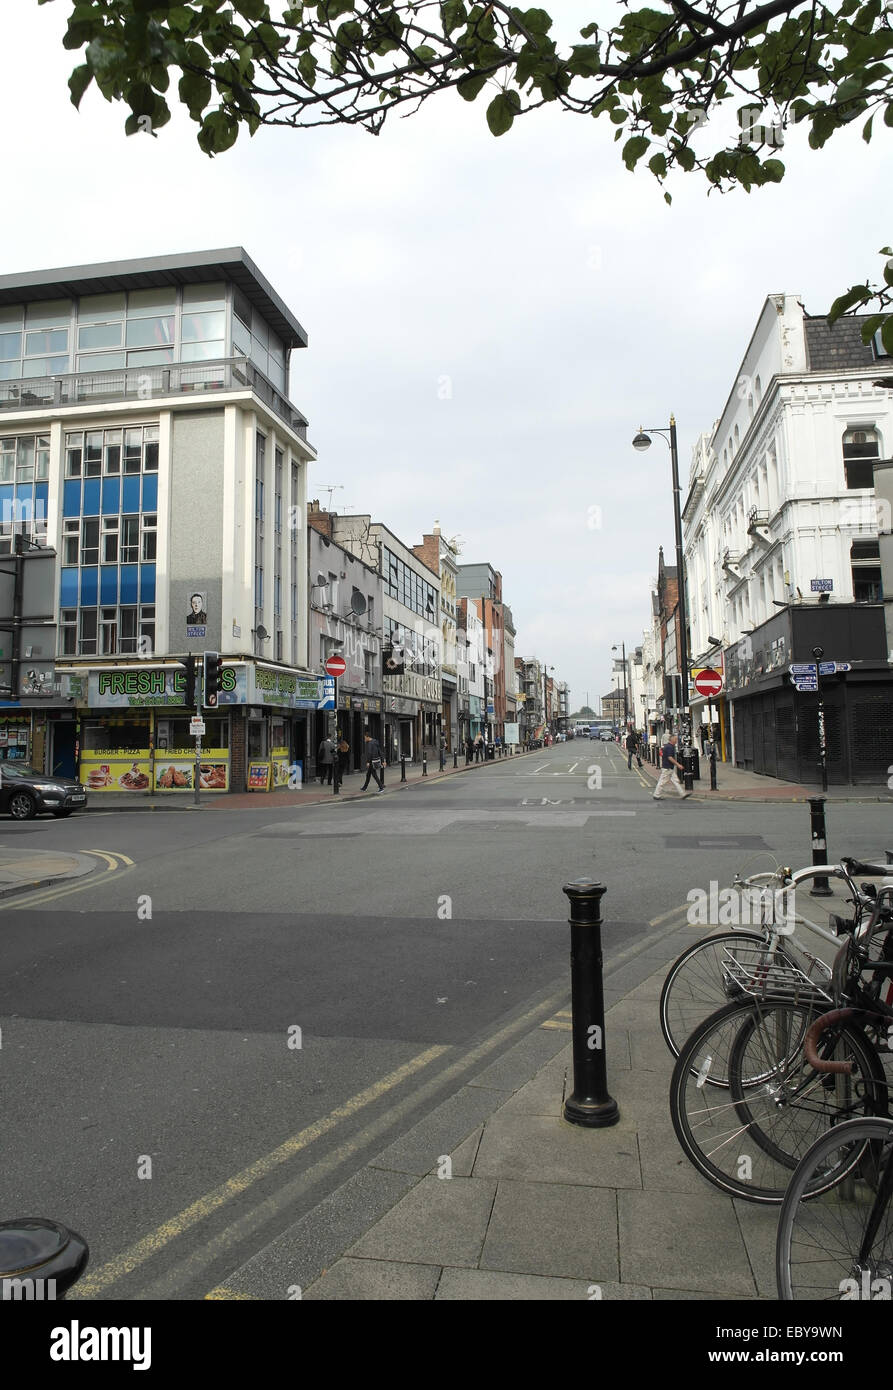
[
  {"x": 606, "y": 736},
  {"x": 25, "y": 793}
]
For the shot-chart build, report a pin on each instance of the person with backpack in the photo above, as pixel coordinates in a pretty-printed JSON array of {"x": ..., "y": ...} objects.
[
  {"x": 632, "y": 749},
  {"x": 325, "y": 760}
]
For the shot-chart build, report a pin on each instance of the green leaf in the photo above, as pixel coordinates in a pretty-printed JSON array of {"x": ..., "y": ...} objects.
[
  {"x": 452, "y": 14},
  {"x": 773, "y": 170},
  {"x": 658, "y": 165},
  {"x": 195, "y": 93},
  {"x": 78, "y": 82},
  {"x": 470, "y": 85},
  {"x": 887, "y": 334},
  {"x": 857, "y": 295},
  {"x": 502, "y": 111},
  {"x": 634, "y": 149}
]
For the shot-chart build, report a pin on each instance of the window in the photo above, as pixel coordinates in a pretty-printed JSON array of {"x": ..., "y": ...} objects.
[
  {"x": 68, "y": 632},
  {"x": 860, "y": 447},
  {"x": 866, "y": 570},
  {"x": 109, "y": 632},
  {"x": 150, "y": 537},
  {"x": 90, "y": 544},
  {"x": 109, "y": 540},
  {"x": 258, "y": 586},
  {"x": 133, "y": 451},
  {"x": 88, "y": 632},
  {"x": 129, "y": 621},
  {"x": 71, "y": 540},
  {"x": 130, "y": 540}
]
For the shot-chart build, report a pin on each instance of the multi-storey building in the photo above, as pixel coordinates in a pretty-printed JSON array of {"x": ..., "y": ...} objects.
[
  {"x": 345, "y": 619},
  {"x": 150, "y": 444},
  {"x": 483, "y": 584},
  {"x": 439, "y": 555},
  {"x": 472, "y": 640},
  {"x": 412, "y": 691},
  {"x": 782, "y": 547}
]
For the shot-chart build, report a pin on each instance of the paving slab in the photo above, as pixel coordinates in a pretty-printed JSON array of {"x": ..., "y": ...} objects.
[
  {"x": 374, "y": 1279},
  {"x": 759, "y": 1226},
  {"x": 441, "y": 1221},
  {"x": 420, "y": 1149},
  {"x": 555, "y": 1229},
  {"x": 544, "y": 1095},
  {"x": 536, "y": 1147},
  {"x": 480, "y": 1286},
  {"x": 672, "y": 1240}
]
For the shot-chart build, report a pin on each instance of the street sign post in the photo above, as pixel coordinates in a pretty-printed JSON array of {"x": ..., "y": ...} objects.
[
  {"x": 807, "y": 683},
  {"x": 335, "y": 667},
  {"x": 708, "y": 682},
  {"x": 804, "y": 668}
]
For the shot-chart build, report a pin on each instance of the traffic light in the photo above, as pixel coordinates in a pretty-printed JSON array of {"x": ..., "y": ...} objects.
[
  {"x": 213, "y": 674},
  {"x": 190, "y": 682}
]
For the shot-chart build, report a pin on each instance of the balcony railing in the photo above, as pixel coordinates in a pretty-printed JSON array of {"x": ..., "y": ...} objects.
[{"x": 144, "y": 383}]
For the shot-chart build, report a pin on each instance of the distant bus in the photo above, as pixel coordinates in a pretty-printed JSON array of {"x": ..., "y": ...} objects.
[
  {"x": 581, "y": 729},
  {"x": 599, "y": 726}
]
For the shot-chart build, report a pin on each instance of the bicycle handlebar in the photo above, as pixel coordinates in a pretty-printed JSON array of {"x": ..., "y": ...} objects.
[{"x": 814, "y": 1032}]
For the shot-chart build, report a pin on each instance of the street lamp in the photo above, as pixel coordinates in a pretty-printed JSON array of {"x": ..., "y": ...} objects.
[
  {"x": 625, "y": 700},
  {"x": 641, "y": 442}
]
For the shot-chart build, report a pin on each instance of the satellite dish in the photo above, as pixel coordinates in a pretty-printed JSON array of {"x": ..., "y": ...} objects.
[
  {"x": 320, "y": 580},
  {"x": 262, "y": 633},
  {"x": 357, "y": 602}
]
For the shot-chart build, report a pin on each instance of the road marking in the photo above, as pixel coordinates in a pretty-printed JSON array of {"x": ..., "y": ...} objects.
[
  {"x": 575, "y": 765},
  {"x": 114, "y": 870},
  {"x": 221, "y": 1292},
  {"x": 537, "y": 770},
  {"x": 111, "y": 857},
  {"x": 151, "y": 1244},
  {"x": 558, "y": 1023}
]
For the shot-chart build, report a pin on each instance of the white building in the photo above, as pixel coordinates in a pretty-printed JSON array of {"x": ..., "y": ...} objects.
[{"x": 781, "y": 545}]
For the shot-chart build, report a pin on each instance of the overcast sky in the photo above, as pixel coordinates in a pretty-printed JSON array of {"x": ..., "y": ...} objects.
[{"x": 489, "y": 320}]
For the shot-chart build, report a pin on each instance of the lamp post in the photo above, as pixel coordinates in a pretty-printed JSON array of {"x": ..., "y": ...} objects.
[
  {"x": 625, "y": 694},
  {"x": 642, "y": 442}
]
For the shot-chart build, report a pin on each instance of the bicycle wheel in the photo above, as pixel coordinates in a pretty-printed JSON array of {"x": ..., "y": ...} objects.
[
  {"x": 819, "y": 1250},
  {"x": 696, "y": 985},
  {"x": 747, "y": 1132}
]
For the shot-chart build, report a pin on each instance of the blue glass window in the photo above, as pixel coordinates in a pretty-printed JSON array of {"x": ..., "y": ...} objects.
[
  {"x": 129, "y": 575},
  {"x": 91, "y": 497},
  {"x": 89, "y": 587},
  {"x": 147, "y": 583},
  {"x": 111, "y": 496},
  {"x": 150, "y": 492},
  {"x": 131, "y": 498},
  {"x": 108, "y": 588},
  {"x": 68, "y": 590},
  {"x": 71, "y": 498}
]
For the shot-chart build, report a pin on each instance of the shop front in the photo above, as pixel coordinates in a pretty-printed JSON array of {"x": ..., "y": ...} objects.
[
  {"x": 358, "y": 715},
  {"x": 133, "y": 731}
]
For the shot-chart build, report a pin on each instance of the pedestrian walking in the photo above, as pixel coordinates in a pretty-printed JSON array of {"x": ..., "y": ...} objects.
[
  {"x": 326, "y": 760},
  {"x": 469, "y": 750},
  {"x": 372, "y": 749},
  {"x": 478, "y": 748},
  {"x": 632, "y": 749},
  {"x": 668, "y": 761},
  {"x": 343, "y": 756}
]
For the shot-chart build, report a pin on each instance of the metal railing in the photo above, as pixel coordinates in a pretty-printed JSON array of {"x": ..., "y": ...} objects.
[{"x": 145, "y": 383}]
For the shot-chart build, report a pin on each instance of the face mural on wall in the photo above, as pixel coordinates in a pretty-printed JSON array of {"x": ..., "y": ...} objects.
[{"x": 197, "y": 617}]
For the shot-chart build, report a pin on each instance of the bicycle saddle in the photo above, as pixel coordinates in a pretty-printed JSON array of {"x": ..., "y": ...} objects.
[{"x": 855, "y": 868}]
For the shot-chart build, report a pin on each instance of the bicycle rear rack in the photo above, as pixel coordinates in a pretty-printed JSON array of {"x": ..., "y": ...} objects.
[{"x": 748, "y": 971}]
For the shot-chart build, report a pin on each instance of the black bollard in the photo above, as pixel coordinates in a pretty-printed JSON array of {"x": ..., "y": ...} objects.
[
  {"x": 590, "y": 1104},
  {"x": 821, "y": 888},
  {"x": 424, "y": 763},
  {"x": 441, "y": 757},
  {"x": 713, "y": 771},
  {"x": 43, "y": 1258},
  {"x": 402, "y": 767},
  {"x": 455, "y": 757}
]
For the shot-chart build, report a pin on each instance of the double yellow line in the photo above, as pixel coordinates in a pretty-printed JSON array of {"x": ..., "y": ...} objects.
[{"x": 115, "y": 864}]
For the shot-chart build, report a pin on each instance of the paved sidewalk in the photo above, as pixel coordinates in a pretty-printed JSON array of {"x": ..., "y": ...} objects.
[
  {"x": 309, "y": 795},
  {"x": 536, "y": 1208},
  {"x": 737, "y": 784},
  {"x": 38, "y": 868}
]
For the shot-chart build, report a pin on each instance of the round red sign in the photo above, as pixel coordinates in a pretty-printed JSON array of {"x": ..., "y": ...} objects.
[
  {"x": 336, "y": 666},
  {"x": 708, "y": 682}
]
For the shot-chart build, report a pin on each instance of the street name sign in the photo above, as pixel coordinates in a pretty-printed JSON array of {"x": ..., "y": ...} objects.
[
  {"x": 807, "y": 683},
  {"x": 804, "y": 668}
]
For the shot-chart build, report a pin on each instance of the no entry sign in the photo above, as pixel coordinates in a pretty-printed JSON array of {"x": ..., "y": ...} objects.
[
  {"x": 336, "y": 666},
  {"x": 708, "y": 682}
]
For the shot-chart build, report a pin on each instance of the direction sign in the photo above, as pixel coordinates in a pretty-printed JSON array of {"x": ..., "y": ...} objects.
[
  {"x": 336, "y": 665},
  {"x": 831, "y": 668},
  {"x": 708, "y": 682},
  {"x": 803, "y": 668},
  {"x": 807, "y": 683}
]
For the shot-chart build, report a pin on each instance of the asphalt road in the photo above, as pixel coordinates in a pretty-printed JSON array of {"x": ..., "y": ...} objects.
[{"x": 153, "y": 1092}]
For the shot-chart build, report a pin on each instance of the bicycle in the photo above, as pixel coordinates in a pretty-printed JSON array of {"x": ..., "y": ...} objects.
[
  {"x": 839, "y": 1244},
  {"x": 697, "y": 981},
  {"x": 746, "y": 1101}
]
